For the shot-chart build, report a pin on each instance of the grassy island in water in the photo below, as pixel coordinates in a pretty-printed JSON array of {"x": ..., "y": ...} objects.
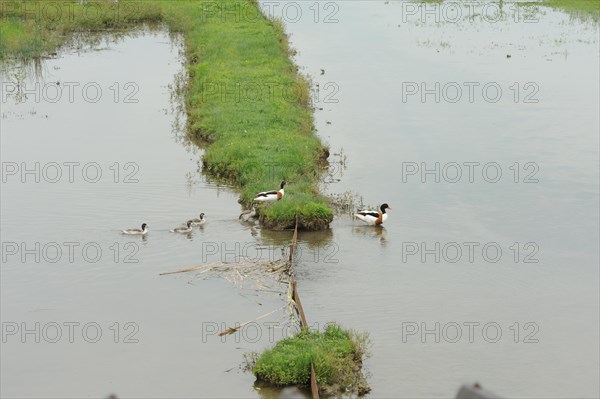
[{"x": 246, "y": 102}]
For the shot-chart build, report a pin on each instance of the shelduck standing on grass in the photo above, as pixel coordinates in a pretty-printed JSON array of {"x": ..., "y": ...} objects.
[
  {"x": 374, "y": 218},
  {"x": 271, "y": 196},
  {"x": 137, "y": 232}
]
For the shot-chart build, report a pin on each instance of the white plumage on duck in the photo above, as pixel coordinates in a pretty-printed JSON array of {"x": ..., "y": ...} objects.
[
  {"x": 136, "y": 232},
  {"x": 271, "y": 196},
  {"x": 374, "y": 218}
]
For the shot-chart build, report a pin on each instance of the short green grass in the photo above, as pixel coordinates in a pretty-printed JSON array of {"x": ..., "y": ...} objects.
[
  {"x": 245, "y": 100},
  {"x": 336, "y": 354},
  {"x": 582, "y": 8},
  {"x": 33, "y": 28}
]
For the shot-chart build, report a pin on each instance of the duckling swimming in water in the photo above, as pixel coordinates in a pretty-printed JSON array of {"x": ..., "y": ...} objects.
[
  {"x": 138, "y": 232},
  {"x": 183, "y": 230},
  {"x": 200, "y": 221},
  {"x": 247, "y": 215}
]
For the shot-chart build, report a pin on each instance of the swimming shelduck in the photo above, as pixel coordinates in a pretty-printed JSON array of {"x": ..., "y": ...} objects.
[
  {"x": 200, "y": 221},
  {"x": 183, "y": 230},
  {"x": 271, "y": 196},
  {"x": 375, "y": 218},
  {"x": 137, "y": 232},
  {"x": 247, "y": 215}
]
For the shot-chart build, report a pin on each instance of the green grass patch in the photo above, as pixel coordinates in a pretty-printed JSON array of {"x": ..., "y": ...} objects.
[
  {"x": 336, "y": 354},
  {"x": 581, "y": 8},
  {"x": 245, "y": 100}
]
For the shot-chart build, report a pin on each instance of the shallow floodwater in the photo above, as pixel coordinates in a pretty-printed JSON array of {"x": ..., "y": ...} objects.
[
  {"x": 372, "y": 62},
  {"x": 517, "y": 326},
  {"x": 86, "y": 272}
]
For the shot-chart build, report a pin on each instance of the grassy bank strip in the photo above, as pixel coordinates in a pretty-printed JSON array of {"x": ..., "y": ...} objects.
[
  {"x": 582, "y": 8},
  {"x": 587, "y": 7},
  {"x": 246, "y": 102}
]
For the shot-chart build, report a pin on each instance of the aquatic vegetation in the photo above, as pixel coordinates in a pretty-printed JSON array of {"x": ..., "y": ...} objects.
[
  {"x": 246, "y": 102},
  {"x": 337, "y": 355}
]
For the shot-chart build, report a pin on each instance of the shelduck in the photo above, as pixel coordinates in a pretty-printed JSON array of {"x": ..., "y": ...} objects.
[
  {"x": 247, "y": 215},
  {"x": 271, "y": 196},
  {"x": 375, "y": 218},
  {"x": 183, "y": 230},
  {"x": 137, "y": 232},
  {"x": 200, "y": 221}
]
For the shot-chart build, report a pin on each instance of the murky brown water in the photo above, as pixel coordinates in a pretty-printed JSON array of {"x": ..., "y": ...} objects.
[{"x": 377, "y": 280}]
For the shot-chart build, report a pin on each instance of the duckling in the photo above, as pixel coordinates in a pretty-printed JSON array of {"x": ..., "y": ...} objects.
[
  {"x": 183, "y": 230},
  {"x": 137, "y": 232},
  {"x": 247, "y": 215},
  {"x": 200, "y": 221}
]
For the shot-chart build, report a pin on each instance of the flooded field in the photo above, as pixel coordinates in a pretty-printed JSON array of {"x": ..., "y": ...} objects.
[
  {"x": 486, "y": 270},
  {"x": 518, "y": 249}
]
